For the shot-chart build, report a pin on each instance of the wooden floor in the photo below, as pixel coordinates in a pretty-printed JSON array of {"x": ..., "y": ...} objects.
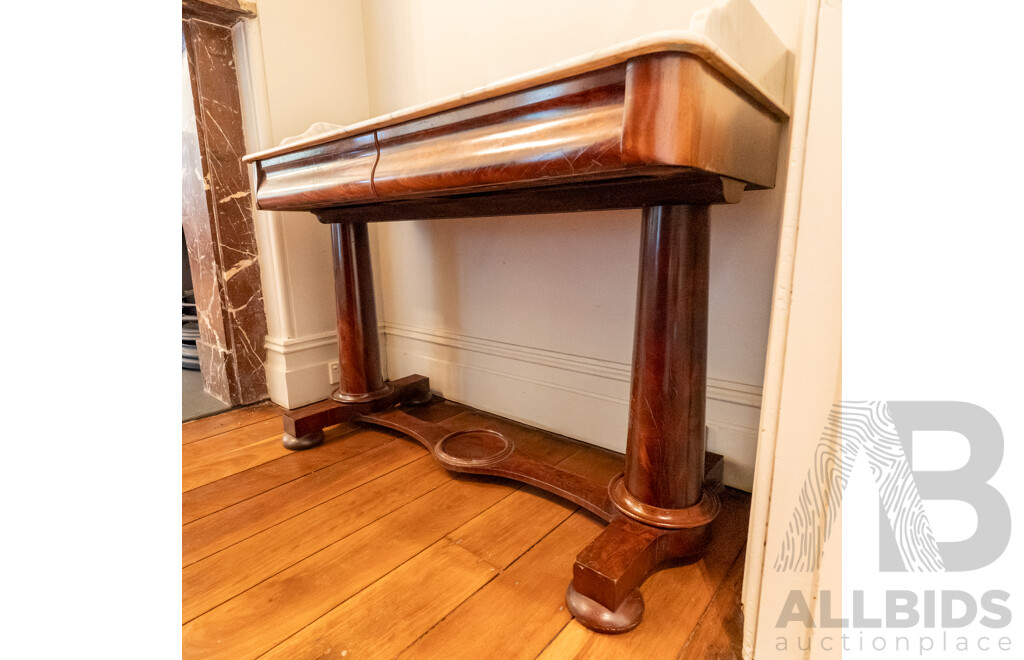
[{"x": 365, "y": 547}]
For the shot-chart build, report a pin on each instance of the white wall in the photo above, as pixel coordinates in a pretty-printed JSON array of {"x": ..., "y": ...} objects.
[
  {"x": 302, "y": 62},
  {"x": 530, "y": 317},
  {"x": 805, "y": 354}
]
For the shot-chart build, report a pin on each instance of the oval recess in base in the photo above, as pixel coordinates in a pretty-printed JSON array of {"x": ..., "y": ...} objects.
[{"x": 472, "y": 448}]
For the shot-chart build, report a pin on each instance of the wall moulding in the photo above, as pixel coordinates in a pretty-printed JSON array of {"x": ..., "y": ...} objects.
[{"x": 584, "y": 398}]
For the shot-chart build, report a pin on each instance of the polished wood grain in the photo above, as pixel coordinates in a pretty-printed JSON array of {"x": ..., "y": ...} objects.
[
  {"x": 236, "y": 418},
  {"x": 521, "y": 610},
  {"x": 604, "y": 594},
  {"x": 608, "y": 572},
  {"x": 659, "y": 116},
  {"x": 385, "y": 568},
  {"x": 766, "y": 90},
  {"x": 311, "y": 420},
  {"x": 212, "y": 497},
  {"x": 228, "y": 526},
  {"x": 679, "y": 111},
  {"x": 661, "y": 508},
  {"x": 670, "y": 131},
  {"x": 679, "y": 186},
  {"x": 358, "y": 343},
  {"x": 504, "y": 532},
  {"x": 677, "y": 601},
  {"x": 214, "y": 579},
  {"x": 421, "y": 593},
  {"x": 198, "y": 454},
  {"x": 319, "y": 175},
  {"x": 665, "y": 441},
  {"x": 719, "y": 633},
  {"x": 314, "y": 586},
  {"x": 205, "y": 461},
  {"x": 568, "y": 129},
  {"x": 664, "y": 508},
  {"x": 416, "y": 595},
  {"x": 489, "y": 460},
  {"x": 492, "y": 446}
]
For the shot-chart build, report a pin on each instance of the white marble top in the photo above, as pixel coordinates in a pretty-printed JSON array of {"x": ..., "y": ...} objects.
[{"x": 721, "y": 34}]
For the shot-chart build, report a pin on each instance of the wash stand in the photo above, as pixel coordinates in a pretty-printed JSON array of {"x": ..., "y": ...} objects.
[{"x": 670, "y": 123}]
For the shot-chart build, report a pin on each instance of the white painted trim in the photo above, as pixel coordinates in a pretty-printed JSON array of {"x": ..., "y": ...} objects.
[
  {"x": 298, "y": 369},
  {"x": 732, "y": 392},
  {"x": 753, "y": 570},
  {"x": 256, "y": 122},
  {"x": 565, "y": 361},
  {"x": 721, "y": 390},
  {"x": 284, "y": 345}
]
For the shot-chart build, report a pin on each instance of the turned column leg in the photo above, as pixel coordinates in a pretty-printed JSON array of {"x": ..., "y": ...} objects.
[
  {"x": 358, "y": 343},
  {"x": 665, "y": 445},
  {"x": 664, "y": 508},
  {"x": 361, "y": 380}
]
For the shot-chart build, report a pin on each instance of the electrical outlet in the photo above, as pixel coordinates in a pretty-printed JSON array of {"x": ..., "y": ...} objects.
[{"x": 334, "y": 372}]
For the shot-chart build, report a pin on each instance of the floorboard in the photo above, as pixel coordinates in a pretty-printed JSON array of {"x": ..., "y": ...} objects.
[
  {"x": 719, "y": 633},
  {"x": 340, "y": 443},
  {"x": 228, "y": 421},
  {"x": 228, "y": 526},
  {"x": 365, "y": 548},
  {"x": 217, "y": 578},
  {"x": 516, "y": 614}
]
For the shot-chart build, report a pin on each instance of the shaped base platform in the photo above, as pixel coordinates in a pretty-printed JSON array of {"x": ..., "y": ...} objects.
[{"x": 606, "y": 576}]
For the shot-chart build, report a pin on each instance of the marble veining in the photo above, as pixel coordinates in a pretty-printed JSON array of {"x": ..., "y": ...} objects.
[
  {"x": 716, "y": 33},
  {"x": 218, "y": 223}
]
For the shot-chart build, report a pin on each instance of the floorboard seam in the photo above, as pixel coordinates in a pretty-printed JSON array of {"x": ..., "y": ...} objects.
[
  {"x": 271, "y": 415},
  {"x": 553, "y": 638},
  {"x": 234, "y": 430},
  {"x": 444, "y": 537},
  {"x": 711, "y": 602},
  {"x": 310, "y": 508},
  {"x": 284, "y": 483},
  {"x": 302, "y": 559}
]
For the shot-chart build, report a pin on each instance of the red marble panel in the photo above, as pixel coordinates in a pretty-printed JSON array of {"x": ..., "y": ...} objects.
[{"x": 219, "y": 227}]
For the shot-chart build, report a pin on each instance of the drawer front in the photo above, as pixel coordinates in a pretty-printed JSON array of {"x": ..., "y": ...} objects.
[
  {"x": 571, "y": 130},
  {"x": 334, "y": 173}
]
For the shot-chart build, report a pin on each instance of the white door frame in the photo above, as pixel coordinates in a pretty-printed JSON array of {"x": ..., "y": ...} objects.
[{"x": 803, "y": 373}]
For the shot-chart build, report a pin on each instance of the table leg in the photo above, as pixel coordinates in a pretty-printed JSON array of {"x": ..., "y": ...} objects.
[
  {"x": 358, "y": 343},
  {"x": 362, "y": 387},
  {"x": 664, "y": 506}
]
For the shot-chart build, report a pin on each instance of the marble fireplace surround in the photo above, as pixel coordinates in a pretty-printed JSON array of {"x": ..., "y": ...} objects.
[{"x": 217, "y": 215}]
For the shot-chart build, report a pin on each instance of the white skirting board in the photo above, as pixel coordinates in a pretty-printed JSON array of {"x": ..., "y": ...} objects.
[
  {"x": 583, "y": 398},
  {"x": 298, "y": 370}
]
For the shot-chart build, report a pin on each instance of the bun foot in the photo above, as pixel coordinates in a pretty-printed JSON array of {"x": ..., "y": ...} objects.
[
  {"x": 599, "y": 618},
  {"x": 304, "y": 442}
]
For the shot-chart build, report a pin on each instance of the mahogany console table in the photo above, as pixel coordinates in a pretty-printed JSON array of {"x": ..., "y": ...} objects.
[{"x": 666, "y": 123}]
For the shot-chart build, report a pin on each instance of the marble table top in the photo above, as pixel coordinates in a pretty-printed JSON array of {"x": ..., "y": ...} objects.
[{"x": 730, "y": 36}]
